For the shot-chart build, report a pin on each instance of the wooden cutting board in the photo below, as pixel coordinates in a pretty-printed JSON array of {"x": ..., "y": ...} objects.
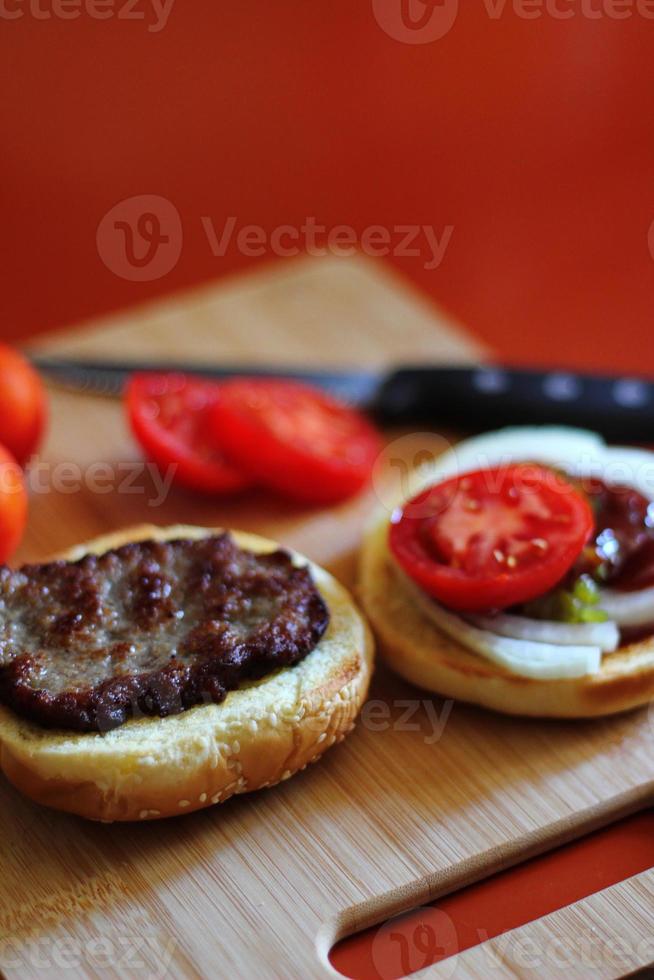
[{"x": 424, "y": 797}]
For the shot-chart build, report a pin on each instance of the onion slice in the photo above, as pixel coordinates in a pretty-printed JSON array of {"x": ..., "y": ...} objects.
[
  {"x": 628, "y": 608},
  {"x": 604, "y": 635},
  {"x": 543, "y": 661}
]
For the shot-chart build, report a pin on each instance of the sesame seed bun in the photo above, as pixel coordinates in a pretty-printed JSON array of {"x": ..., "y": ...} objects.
[
  {"x": 262, "y": 733},
  {"x": 421, "y": 653}
]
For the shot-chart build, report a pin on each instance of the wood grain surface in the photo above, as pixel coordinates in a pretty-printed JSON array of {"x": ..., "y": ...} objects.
[
  {"x": 424, "y": 796},
  {"x": 607, "y": 935}
]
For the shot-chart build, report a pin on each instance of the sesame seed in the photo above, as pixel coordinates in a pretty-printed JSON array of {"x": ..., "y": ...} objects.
[
  {"x": 236, "y": 746},
  {"x": 216, "y": 798},
  {"x": 321, "y": 738},
  {"x": 203, "y": 797},
  {"x": 540, "y": 543},
  {"x": 143, "y": 815},
  {"x": 512, "y": 561},
  {"x": 499, "y": 556},
  {"x": 184, "y": 803},
  {"x": 287, "y": 774},
  {"x": 471, "y": 504}
]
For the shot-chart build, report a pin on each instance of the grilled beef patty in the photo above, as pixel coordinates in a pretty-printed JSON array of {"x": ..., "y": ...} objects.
[{"x": 151, "y": 628}]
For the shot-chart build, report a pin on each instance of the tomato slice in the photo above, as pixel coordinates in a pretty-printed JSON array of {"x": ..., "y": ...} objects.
[
  {"x": 295, "y": 438},
  {"x": 492, "y": 538},
  {"x": 169, "y": 415}
]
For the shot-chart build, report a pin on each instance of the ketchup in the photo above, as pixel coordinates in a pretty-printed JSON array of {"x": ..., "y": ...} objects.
[{"x": 621, "y": 554}]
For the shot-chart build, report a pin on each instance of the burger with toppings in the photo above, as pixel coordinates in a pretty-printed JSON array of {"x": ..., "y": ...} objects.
[{"x": 519, "y": 574}]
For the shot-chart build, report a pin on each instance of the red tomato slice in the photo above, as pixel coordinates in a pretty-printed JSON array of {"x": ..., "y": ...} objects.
[
  {"x": 13, "y": 504},
  {"x": 169, "y": 415},
  {"x": 294, "y": 438},
  {"x": 492, "y": 538}
]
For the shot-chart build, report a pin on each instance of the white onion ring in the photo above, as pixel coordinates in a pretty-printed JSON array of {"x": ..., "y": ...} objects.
[
  {"x": 628, "y": 608},
  {"x": 604, "y": 635},
  {"x": 543, "y": 661}
]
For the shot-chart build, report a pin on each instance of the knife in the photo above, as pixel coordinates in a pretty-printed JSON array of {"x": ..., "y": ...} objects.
[{"x": 477, "y": 397}]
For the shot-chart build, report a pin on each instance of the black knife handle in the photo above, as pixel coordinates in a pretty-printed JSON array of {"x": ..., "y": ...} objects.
[{"x": 486, "y": 397}]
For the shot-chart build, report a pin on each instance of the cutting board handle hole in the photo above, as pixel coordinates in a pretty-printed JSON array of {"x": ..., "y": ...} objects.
[{"x": 507, "y": 900}]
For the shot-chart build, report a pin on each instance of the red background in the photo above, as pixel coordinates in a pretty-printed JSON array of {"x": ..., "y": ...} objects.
[{"x": 533, "y": 138}]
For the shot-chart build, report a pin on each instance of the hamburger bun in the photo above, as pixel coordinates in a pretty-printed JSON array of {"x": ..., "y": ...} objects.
[
  {"x": 263, "y": 732},
  {"x": 415, "y": 647}
]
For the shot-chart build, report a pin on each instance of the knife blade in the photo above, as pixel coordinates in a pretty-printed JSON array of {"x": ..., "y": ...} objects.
[
  {"x": 476, "y": 397},
  {"x": 109, "y": 377}
]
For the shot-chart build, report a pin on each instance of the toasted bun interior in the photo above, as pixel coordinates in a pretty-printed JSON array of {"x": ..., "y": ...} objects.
[{"x": 262, "y": 733}]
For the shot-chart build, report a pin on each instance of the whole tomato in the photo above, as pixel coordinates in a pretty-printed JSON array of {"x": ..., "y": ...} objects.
[
  {"x": 13, "y": 504},
  {"x": 22, "y": 404}
]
